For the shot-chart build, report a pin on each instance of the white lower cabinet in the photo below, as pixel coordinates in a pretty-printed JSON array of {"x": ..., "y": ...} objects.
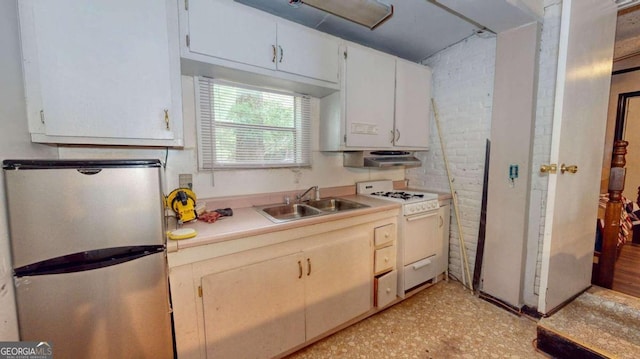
[
  {"x": 338, "y": 281},
  {"x": 261, "y": 303},
  {"x": 384, "y": 265},
  {"x": 255, "y": 311},
  {"x": 386, "y": 287}
]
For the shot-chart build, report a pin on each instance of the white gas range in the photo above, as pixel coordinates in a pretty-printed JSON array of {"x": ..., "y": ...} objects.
[{"x": 421, "y": 251}]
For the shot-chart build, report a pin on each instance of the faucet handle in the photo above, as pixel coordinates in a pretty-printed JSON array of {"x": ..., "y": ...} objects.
[
  {"x": 287, "y": 201},
  {"x": 317, "y": 193}
]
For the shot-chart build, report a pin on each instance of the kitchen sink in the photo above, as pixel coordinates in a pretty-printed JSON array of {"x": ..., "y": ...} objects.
[
  {"x": 335, "y": 204},
  {"x": 289, "y": 212}
]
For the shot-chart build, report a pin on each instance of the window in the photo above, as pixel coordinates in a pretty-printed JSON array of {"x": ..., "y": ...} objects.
[{"x": 247, "y": 127}]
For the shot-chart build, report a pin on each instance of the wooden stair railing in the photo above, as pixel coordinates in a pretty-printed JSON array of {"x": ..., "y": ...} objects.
[{"x": 611, "y": 230}]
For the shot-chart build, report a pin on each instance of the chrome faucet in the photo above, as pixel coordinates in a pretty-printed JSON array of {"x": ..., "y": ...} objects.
[{"x": 300, "y": 197}]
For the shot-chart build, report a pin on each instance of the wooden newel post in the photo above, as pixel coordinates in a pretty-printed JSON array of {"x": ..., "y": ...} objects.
[{"x": 612, "y": 215}]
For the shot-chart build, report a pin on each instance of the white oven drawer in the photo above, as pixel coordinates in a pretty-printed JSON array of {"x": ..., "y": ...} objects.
[
  {"x": 386, "y": 289},
  {"x": 384, "y": 259},
  {"x": 384, "y": 235},
  {"x": 421, "y": 271}
]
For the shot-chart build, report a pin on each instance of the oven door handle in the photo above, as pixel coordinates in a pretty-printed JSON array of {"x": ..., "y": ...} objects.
[{"x": 415, "y": 218}]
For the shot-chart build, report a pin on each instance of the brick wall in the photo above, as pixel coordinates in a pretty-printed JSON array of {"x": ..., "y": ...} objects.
[{"x": 462, "y": 88}]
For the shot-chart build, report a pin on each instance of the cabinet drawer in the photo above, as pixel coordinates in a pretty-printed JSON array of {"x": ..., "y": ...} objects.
[
  {"x": 386, "y": 288},
  {"x": 384, "y": 259},
  {"x": 421, "y": 271},
  {"x": 384, "y": 235}
]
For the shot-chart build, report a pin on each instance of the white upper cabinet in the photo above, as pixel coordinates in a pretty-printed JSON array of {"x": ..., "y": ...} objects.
[
  {"x": 384, "y": 104},
  {"x": 102, "y": 72},
  {"x": 237, "y": 41},
  {"x": 413, "y": 105},
  {"x": 222, "y": 29},
  {"x": 368, "y": 90},
  {"x": 307, "y": 52}
]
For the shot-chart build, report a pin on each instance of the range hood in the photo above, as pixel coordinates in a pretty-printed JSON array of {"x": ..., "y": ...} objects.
[{"x": 380, "y": 159}]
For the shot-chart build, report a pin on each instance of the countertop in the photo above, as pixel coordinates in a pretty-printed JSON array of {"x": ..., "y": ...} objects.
[{"x": 246, "y": 221}]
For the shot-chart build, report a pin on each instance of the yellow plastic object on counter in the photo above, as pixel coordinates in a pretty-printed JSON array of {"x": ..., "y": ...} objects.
[
  {"x": 182, "y": 233},
  {"x": 183, "y": 202}
]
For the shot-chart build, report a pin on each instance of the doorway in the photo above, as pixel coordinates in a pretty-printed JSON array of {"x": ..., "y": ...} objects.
[{"x": 623, "y": 122}]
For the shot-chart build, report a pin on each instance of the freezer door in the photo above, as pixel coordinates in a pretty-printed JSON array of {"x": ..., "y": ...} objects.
[
  {"x": 59, "y": 211},
  {"x": 119, "y": 311}
]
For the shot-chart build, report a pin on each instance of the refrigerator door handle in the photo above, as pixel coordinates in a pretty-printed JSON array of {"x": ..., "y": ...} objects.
[{"x": 88, "y": 260}]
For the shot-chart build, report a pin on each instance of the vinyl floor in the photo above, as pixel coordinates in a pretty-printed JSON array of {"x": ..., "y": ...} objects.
[{"x": 442, "y": 321}]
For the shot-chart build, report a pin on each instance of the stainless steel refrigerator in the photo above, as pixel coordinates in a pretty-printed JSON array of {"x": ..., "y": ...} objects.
[{"x": 89, "y": 258}]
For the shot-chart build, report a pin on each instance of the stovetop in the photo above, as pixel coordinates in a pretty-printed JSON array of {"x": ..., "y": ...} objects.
[
  {"x": 414, "y": 201},
  {"x": 404, "y": 195}
]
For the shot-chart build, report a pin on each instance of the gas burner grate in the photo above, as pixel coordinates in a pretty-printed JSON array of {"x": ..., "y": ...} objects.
[{"x": 398, "y": 194}]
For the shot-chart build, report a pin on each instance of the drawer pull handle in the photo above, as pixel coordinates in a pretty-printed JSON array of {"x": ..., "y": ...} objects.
[
  {"x": 299, "y": 269},
  {"x": 308, "y": 266},
  {"x": 415, "y": 218},
  {"x": 420, "y": 264}
]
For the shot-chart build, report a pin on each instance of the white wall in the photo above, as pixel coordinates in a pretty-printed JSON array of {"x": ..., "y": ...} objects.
[
  {"x": 462, "y": 89},
  {"x": 14, "y": 143}
]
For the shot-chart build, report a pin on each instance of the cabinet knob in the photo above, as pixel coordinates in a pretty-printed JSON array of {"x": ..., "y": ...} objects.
[
  {"x": 388, "y": 290},
  {"x": 386, "y": 259}
]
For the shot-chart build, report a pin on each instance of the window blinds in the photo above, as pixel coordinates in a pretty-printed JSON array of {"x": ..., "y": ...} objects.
[{"x": 240, "y": 126}]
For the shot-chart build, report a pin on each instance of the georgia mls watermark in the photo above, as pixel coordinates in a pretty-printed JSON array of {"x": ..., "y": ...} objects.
[{"x": 26, "y": 350}]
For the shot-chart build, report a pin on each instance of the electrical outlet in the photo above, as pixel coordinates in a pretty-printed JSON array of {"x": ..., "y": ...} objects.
[{"x": 185, "y": 180}]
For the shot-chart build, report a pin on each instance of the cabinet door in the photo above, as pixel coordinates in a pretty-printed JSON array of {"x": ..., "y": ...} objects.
[
  {"x": 413, "y": 105},
  {"x": 99, "y": 68},
  {"x": 338, "y": 283},
  {"x": 232, "y": 31},
  {"x": 307, "y": 52},
  {"x": 369, "y": 98},
  {"x": 256, "y": 311}
]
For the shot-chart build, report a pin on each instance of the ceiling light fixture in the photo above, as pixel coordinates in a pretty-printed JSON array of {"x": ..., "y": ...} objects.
[{"x": 369, "y": 13}]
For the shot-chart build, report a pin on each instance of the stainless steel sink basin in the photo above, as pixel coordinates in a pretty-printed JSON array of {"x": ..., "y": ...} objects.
[
  {"x": 335, "y": 204},
  {"x": 289, "y": 212}
]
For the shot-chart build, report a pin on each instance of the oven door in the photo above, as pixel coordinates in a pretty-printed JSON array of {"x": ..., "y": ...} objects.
[{"x": 421, "y": 237}]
